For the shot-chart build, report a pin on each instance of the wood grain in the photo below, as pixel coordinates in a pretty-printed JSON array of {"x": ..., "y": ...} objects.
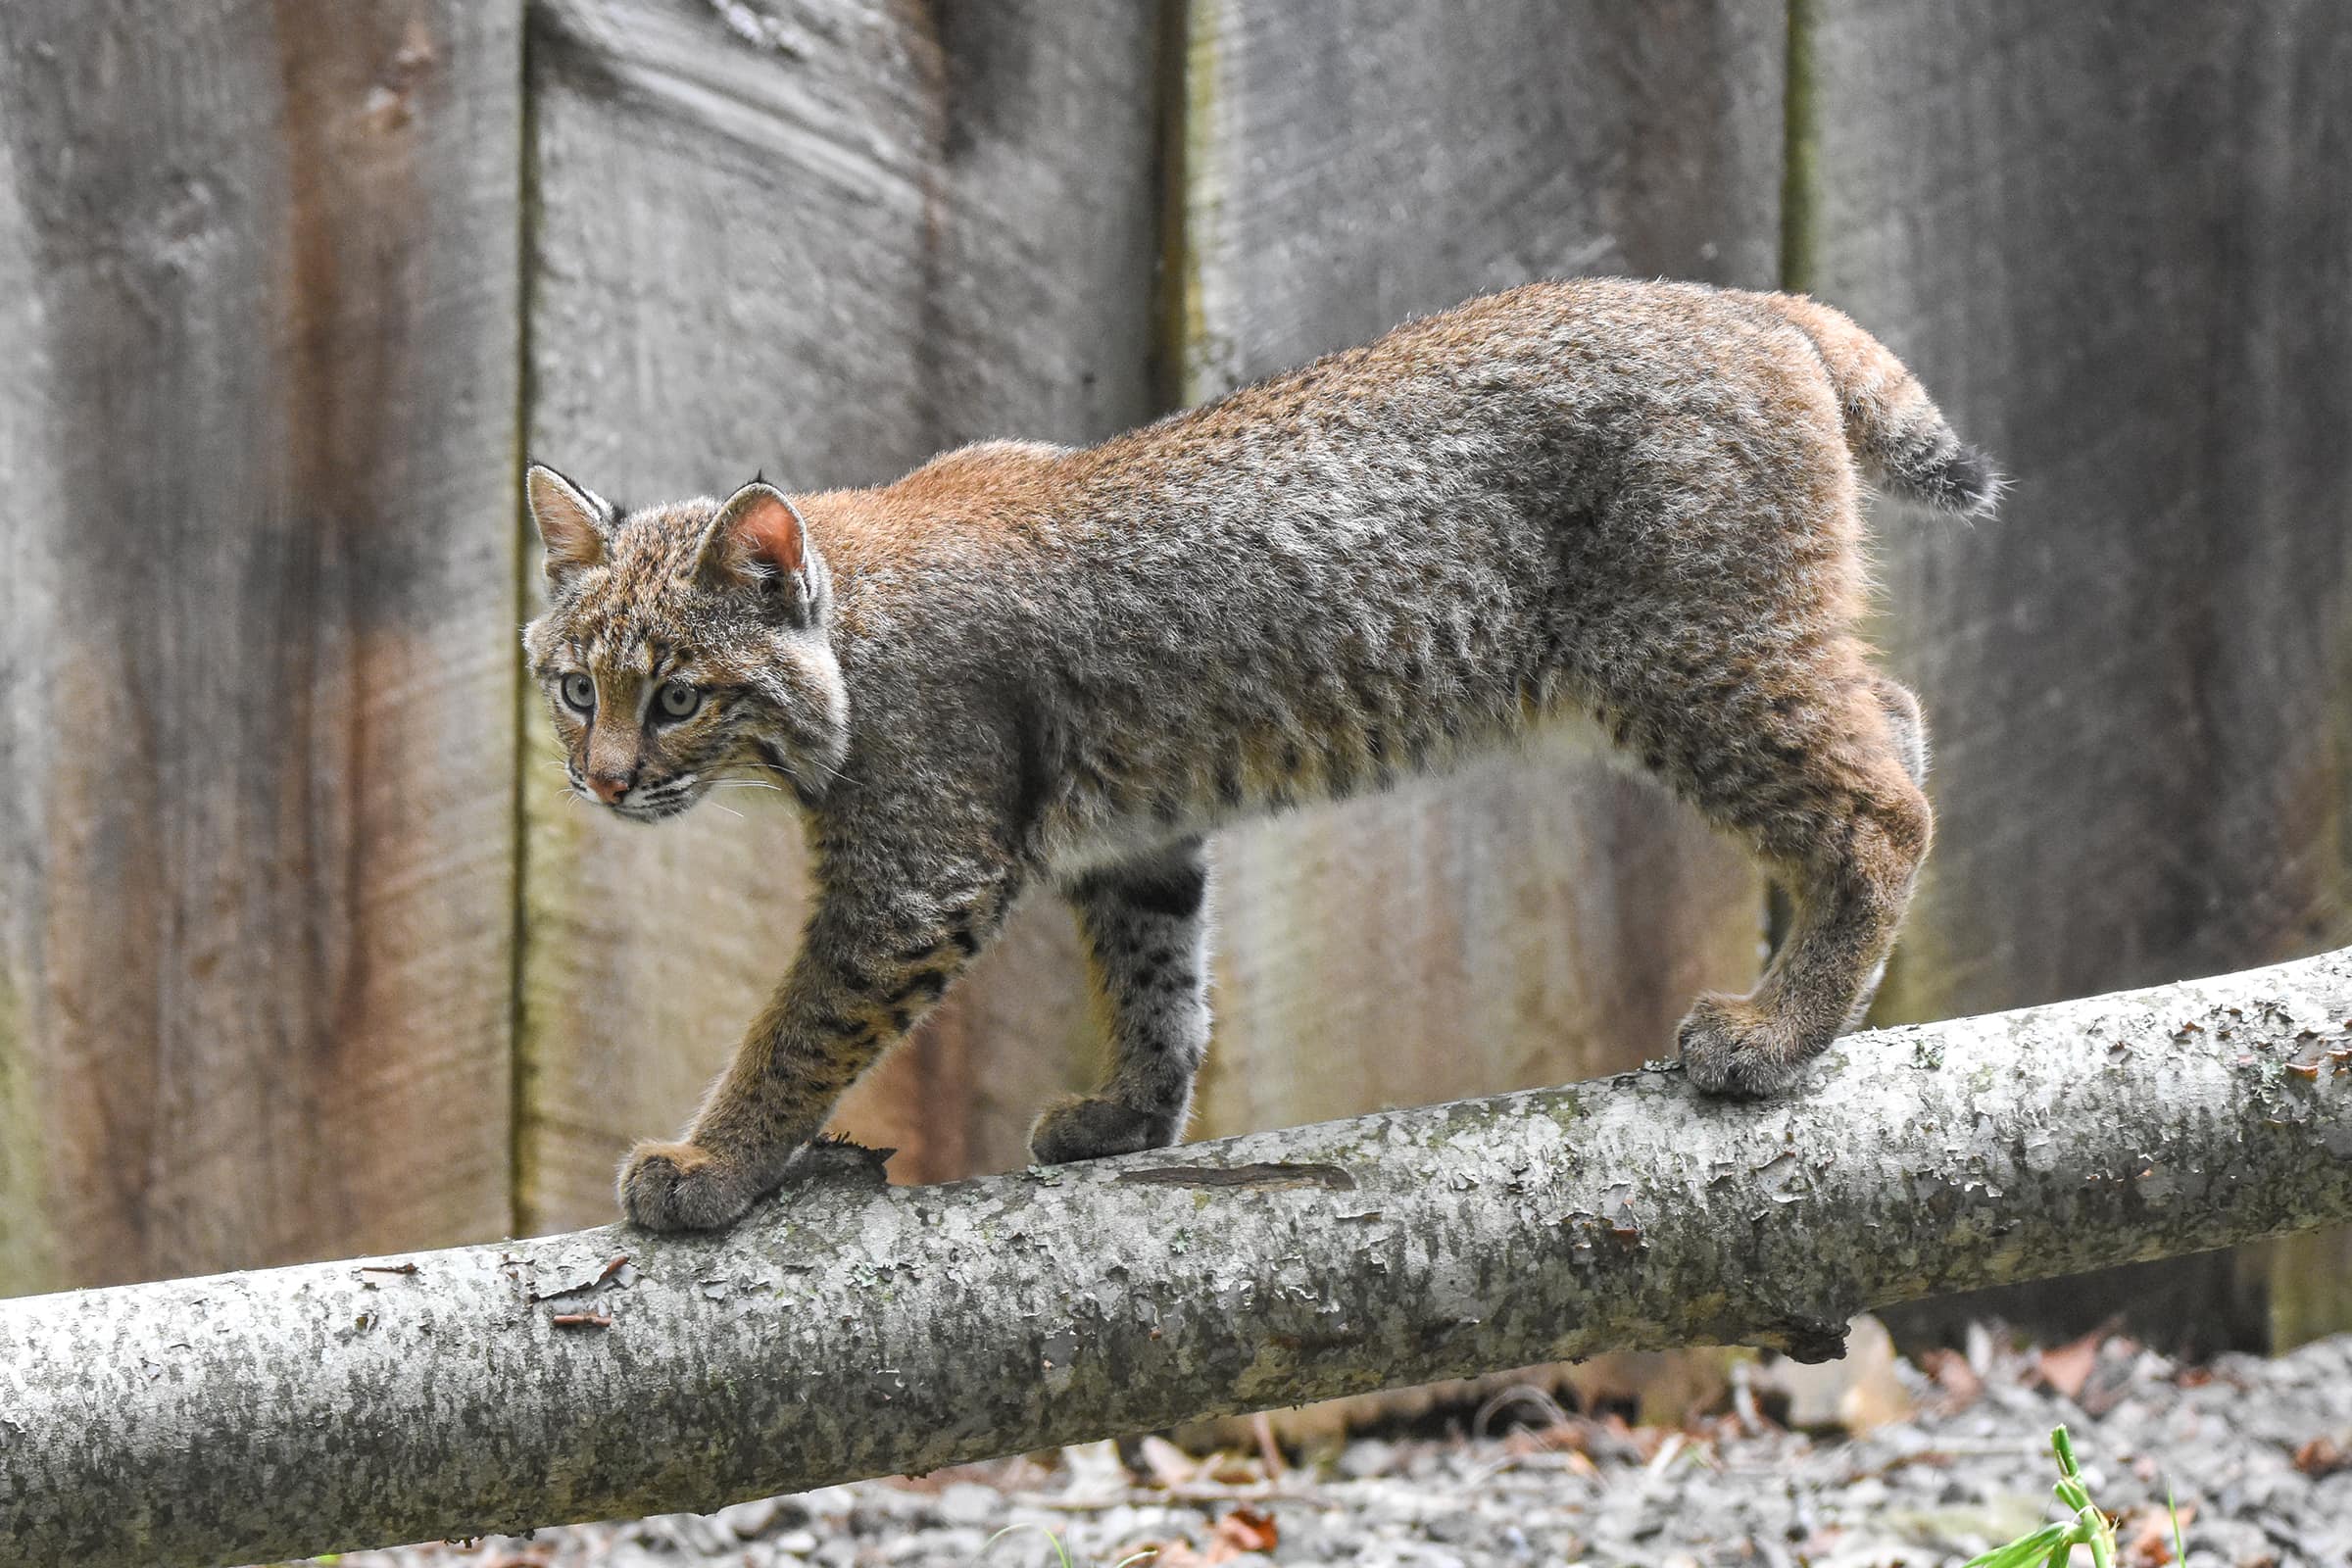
[
  {"x": 257, "y": 300},
  {"x": 828, "y": 240},
  {"x": 1533, "y": 920},
  {"x": 2101, "y": 239}
]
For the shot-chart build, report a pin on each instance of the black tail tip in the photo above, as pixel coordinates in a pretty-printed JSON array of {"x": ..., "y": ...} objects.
[{"x": 1966, "y": 482}]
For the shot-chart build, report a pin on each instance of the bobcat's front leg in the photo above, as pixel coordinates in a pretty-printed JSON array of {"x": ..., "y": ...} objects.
[{"x": 869, "y": 969}]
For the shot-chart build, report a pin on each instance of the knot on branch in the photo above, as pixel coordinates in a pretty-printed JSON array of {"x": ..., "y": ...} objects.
[{"x": 1807, "y": 1339}]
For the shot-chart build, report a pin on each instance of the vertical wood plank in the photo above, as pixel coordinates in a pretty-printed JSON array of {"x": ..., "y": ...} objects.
[
  {"x": 1039, "y": 301},
  {"x": 256, "y": 664},
  {"x": 2307, "y": 1286},
  {"x": 830, "y": 240},
  {"x": 1530, "y": 920},
  {"x": 2111, "y": 243}
]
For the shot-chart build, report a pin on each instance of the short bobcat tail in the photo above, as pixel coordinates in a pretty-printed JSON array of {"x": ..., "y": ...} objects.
[{"x": 1891, "y": 423}]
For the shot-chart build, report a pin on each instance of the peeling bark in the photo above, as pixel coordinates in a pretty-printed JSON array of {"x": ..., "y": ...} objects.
[{"x": 851, "y": 1329}]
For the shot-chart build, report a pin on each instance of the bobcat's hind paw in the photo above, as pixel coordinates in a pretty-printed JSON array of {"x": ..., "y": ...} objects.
[
  {"x": 1085, "y": 1127},
  {"x": 1732, "y": 1049},
  {"x": 683, "y": 1187}
]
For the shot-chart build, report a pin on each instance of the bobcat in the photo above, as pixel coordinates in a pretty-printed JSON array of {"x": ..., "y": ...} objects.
[{"x": 1634, "y": 503}]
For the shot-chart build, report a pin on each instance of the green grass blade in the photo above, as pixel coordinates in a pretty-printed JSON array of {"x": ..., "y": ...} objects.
[
  {"x": 1059, "y": 1551},
  {"x": 2026, "y": 1551},
  {"x": 2064, "y": 1448}
]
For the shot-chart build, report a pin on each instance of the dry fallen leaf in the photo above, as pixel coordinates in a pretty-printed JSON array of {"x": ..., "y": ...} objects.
[
  {"x": 1169, "y": 1466},
  {"x": 2066, "y": 1368},
  {"x": 1954, "y": 1376},
  {"x": 2146, "y": 1538},
  {"x": 1242, "y": 1530},
  {"x": 1239, "y": 1532},
  {"x": 2321, "y": 1456},
  {"x": 1232, "y": 1469}
]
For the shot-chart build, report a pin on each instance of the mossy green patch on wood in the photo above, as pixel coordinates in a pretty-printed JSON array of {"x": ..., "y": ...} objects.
[
  {"x": 1196, "y": 348},
  {"x": 26, "y": 1261}
]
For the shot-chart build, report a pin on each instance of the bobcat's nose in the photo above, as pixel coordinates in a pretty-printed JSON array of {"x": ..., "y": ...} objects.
[{"x": 610, "y": 788}]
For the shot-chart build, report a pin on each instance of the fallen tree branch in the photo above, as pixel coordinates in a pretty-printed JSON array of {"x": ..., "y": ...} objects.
[{"x": 851, "y": 1330}]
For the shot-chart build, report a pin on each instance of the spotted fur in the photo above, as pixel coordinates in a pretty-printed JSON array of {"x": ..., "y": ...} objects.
[{"x": 1638, "y": 505}]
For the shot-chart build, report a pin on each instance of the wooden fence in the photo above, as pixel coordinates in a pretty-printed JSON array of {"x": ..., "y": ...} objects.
[{"x": 303, "y": 952}]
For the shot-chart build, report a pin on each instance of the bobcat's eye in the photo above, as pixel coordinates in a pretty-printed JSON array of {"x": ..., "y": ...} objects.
[
  {"x": 580, "y": 693},
  {"x": 677, "y": 700}
]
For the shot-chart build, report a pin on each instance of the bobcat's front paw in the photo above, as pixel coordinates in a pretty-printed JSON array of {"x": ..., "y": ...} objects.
[
  {"x": 1734, "y": 1049},
  {"x": 1084, "y": 1127},
  {"x": 683, "y": 1187}
]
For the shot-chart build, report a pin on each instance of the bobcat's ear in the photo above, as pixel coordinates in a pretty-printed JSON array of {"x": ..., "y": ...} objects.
[
  {"x": 758, "y": 538},
  {"x": 572, "y": 524}
]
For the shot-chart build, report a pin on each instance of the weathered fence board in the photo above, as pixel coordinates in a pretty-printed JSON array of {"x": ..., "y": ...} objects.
[
  {"x": 257, "y": 305},
  {"x": 2113, "y": 240},
  {"x": 1530, "y": 921},
  {"x": 831, "y": 241}
]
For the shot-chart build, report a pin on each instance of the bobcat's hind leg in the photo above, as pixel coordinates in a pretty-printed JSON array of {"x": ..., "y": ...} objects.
[
  {"x": 1910, "y": 731},
  {"x": 1813, "y": 763},
  {"x": 1145, "y": 923}
]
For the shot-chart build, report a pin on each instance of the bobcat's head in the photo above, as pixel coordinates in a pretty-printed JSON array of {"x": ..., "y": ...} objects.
[{"x": 683, "y": 644}]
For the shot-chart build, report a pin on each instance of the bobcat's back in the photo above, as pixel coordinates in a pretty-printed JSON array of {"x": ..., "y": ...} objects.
[{"x": 1366, "y": 567}]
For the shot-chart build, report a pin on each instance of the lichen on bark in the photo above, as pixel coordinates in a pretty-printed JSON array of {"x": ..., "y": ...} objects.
[{"x": 851, "y": 1328}]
